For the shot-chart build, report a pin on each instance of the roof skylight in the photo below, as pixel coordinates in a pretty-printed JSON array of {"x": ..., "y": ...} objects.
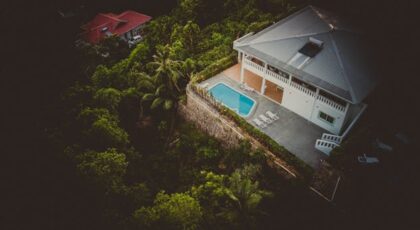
[{"x": 311, "y": 48}]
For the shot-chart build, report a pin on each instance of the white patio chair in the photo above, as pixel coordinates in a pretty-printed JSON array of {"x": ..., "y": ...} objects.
[
  {"x": 265, "y": 119},
  {"x": 248, "y": 88},
  {"x": 271, "y": 115},
  {"x": 259, "y": 123}
]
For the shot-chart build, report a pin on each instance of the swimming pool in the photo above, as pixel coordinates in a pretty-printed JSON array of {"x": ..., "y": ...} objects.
[{"x": 232, "y": 99}]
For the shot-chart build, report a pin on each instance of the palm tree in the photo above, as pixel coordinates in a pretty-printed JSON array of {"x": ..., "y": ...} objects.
[
  {"x": 166, "y": 89},
  {"x": 166, "y": 81},
  {"x": 246, "y": 194}
]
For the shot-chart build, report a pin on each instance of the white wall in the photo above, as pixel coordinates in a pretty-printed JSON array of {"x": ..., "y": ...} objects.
[
  {"x": 298, "y": 102},
  {"x": 307, "y": 107},
  {"x": 339, "y": 117}
]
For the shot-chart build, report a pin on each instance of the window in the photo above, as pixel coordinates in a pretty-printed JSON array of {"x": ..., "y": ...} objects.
[{"x": 326, "y": 117}]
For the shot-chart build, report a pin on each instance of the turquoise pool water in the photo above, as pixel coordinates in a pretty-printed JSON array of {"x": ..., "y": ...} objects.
[{"x": 232, "y": 99}]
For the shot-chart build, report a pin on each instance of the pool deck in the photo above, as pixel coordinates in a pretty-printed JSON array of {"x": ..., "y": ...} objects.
[{"x": 293, "y": 132}]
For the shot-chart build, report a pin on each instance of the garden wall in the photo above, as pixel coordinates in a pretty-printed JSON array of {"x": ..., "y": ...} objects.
[{"x": 208, "y": 120}]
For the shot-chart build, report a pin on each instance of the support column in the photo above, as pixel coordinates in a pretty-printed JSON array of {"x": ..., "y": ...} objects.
[
  {"x": 263, "y": 81},
  {"x": 313, "y": 106},
  {"x": 242, "y": 68},
  {"x": 263, "y": 86},
  {"x": 347, "y": 108},
  {"x": 239, "y": 56}
]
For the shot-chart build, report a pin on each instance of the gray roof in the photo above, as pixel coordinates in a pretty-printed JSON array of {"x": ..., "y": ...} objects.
[{"x": 341, "y": 67}]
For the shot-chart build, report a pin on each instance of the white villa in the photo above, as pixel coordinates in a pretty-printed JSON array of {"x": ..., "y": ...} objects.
[{"x": 312, "y": 65}]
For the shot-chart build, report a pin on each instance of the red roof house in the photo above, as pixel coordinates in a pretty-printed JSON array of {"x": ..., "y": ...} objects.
[{"x": 125, "y": 25}]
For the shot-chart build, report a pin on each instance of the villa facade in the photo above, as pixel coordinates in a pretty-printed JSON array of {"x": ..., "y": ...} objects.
[{"x": 312, "y": 65}]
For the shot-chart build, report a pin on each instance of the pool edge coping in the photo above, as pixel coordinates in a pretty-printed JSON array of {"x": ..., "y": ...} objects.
[{"x": 235, "y": 110}]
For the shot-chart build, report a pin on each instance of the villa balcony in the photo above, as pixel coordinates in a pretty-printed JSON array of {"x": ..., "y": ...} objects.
[{"x": 283, "y": 82}]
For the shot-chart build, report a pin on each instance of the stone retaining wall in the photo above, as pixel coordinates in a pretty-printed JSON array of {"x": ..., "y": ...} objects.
[{"x": 208, "y": 120}]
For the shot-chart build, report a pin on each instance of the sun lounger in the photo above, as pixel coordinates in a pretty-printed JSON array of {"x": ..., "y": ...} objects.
[
  {"x": 272, "y": 115},
  {"x": 378, "y": 144},
  {"x": 259, "y": 123},
  {"x": 248, "y": 88},
  {"x": 265, "y": 119},
  {"x": 367, "y": 160}
]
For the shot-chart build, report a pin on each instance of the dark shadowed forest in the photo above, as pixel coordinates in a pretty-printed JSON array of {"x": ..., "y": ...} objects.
[{"x": 93, "y": 143}]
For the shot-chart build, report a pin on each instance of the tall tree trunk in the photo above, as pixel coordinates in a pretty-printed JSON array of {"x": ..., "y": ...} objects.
[{"x": 172, "y": 122}]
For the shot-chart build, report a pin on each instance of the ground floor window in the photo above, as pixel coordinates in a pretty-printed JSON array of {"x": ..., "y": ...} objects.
[{"x": 325, "y": 117}]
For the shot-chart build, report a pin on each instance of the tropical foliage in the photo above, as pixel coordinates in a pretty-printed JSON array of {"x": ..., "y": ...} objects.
[{"x": 121, "y": 131}]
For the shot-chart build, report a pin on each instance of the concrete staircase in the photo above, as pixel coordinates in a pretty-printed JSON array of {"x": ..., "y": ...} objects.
[{"x": 328, "y": 142}]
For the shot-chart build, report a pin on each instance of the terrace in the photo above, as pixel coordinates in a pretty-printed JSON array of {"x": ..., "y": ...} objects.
[{"x": 292, "y": 131}]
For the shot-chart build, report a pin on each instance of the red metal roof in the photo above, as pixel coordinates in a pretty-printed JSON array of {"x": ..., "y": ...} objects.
[{"x": 115, "y": 24}]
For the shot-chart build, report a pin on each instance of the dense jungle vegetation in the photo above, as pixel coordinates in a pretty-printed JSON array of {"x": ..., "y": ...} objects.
[{"x": 108, "y": 145}]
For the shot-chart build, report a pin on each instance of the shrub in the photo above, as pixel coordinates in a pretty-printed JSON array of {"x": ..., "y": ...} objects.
[{"x": 215, "y": 68}]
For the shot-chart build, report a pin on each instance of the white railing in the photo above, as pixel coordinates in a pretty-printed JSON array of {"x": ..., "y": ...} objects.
[
  {"x": 303, "y": 89},
  {"x": 254, "y": 66},
  {"x": 331, "y": 103},
  {"x": 331, "y": 137},
  {"x": 325, "y": 146},
  {"x": 277, "y": 76}
]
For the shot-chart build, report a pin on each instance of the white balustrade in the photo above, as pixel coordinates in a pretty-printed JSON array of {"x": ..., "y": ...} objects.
[
  {"x": 325, "y": 146},
  {"x": 331, "y": 103},
  {"x": 303, "y": 89},
  {"x": 277, "y": 76},
  {"x": 331, "y": 137},
  {"x": 254, "y": 66}
]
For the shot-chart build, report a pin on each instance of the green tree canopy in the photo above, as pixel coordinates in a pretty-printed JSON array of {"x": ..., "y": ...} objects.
[
  {"x": 108, "y": 98},
  {"x": 230, "y": 199},
  {"x": 105, "y": 168},
  {"x": 102, "y": 129},
  {"x": 175, "y": 211}
]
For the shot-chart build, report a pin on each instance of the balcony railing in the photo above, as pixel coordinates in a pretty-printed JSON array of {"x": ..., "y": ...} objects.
[
  {"x": 254, "y": 66},
  {"x": 261, "y": 70},
  {"x": 331, "y": 103},
  {"x": 277, "y": 76},
  {"x": 303, "y": 89}
]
